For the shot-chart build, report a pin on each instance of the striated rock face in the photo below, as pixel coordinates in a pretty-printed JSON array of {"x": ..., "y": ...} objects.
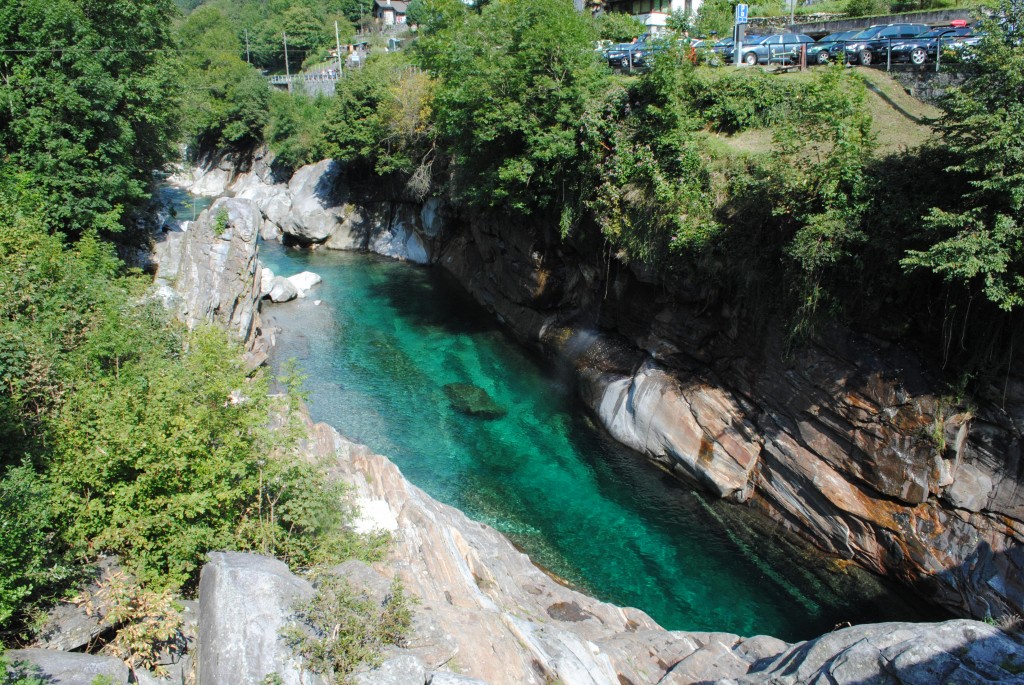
[
  {"x": 211, "y": 272},
  {"x": 897, "y": 654},
  {"x": 844, "y": 441},
  {"x": 65, "y": 668},
  {"x": 487, "y": 615}
]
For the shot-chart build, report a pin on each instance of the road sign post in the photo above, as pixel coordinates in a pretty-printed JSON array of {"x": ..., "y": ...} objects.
[{"x": 741, "y": 20}]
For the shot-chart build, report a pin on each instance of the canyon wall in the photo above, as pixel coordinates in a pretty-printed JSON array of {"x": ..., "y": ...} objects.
[
  {"x": 845, "y": 439},
  {"x": 485, "y": 613}
]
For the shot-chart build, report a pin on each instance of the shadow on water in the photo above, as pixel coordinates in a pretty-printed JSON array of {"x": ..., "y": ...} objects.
[{"x": 390, "y": 337}]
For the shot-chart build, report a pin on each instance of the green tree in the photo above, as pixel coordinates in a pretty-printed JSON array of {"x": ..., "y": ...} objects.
[
  {"x": 87, "y": 94},
  {"x": 715, "y": 16},
  {"x": 515, "y": 82},
  {"x": 226, "y": 100},
  {"x": 979, "y": 243},
  {"x": 619, "y": 27}
]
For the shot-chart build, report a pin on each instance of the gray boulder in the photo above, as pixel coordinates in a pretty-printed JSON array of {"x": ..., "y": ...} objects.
[
  {"x": 400, "y": 670},
  {"x": 446, "y": 678},
  {"x": 282, "y": 290},
  {"x": 962, "y": 651},
  {"x": 304, "y": 281},
  {"x": 317, "y": 205},
  {"x": 65, "y": 668},
  {"x": 244, "y": 602},
  {"x": 401, "y": 242}
]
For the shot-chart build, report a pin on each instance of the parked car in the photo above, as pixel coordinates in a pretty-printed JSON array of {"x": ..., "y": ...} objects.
[
  {"x": 871, "y": 45},
  {"x": 784, "y": 47},
  {"x": 828, "y": 48},
  {"x": 923, "y": 48},
  {"x": 625, "y": 55},
  {"x": 726, "y": 48}
]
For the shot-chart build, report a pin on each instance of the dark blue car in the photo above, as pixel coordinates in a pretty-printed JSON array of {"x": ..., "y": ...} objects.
[
  {"x": 924, "y": 48},
  {"x": 828, "y": 48}
]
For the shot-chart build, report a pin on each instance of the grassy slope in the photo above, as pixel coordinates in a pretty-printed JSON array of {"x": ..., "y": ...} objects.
[{"x": 900, "y": 121}]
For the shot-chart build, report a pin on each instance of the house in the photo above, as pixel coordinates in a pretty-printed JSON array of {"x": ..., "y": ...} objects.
[
  {"x": 654, "y": 13},
  {"x": 389, "y": 12}
]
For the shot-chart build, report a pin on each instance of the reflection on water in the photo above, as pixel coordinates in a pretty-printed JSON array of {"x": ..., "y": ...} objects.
[{"x": 379, "y": 352}]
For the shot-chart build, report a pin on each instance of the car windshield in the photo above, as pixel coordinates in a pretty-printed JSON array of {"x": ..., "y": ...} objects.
[{"x": 934, "y": 32}]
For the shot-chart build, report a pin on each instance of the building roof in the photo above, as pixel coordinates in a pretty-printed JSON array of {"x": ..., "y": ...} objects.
[{"x": 398, "y": 5}]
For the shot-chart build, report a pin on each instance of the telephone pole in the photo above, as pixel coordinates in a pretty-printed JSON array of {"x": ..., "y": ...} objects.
[
  {"x": 287, "y": 70},
  {"x": 337, "y": 39}
]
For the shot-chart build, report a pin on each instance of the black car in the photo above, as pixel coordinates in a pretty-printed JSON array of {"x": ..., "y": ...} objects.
[
  {"x": 871, "y": 45},
  {"x": 828, "y": 48},
  {"x": 626, "y": 55},
  {"x": 923, "y": 48}
]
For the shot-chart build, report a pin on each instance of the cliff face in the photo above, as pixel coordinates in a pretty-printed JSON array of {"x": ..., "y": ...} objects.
[
  {"x": 844, "y": 440},
  {"x": 210, "y": 272}
]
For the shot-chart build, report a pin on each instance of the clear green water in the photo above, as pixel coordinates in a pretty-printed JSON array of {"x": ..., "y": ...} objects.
[{"x": 378, "y": 351}]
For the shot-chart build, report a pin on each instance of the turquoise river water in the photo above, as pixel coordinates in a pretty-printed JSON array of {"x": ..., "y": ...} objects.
[{"x": 385, "y": 340}]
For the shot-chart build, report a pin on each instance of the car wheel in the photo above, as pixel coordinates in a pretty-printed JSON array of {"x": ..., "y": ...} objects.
[
  {"x": 823, "y": 57},
  {"x": 750, "y": 59},
  {"x": 865, "y": 57},
  {"x": 918, "y": 56}
]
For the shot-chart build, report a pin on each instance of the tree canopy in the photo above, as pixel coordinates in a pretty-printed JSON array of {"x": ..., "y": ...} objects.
[{"x": 87, "y": 103}]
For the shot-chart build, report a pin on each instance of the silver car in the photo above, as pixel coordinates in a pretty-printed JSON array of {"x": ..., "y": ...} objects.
[{"x": 783, "y": 48}]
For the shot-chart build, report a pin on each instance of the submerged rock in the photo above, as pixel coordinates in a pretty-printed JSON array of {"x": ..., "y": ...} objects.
[{"x": 473, "y": 400}]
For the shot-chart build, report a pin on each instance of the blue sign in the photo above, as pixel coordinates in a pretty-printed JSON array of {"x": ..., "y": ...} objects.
[{"x": 741, "y": 14}]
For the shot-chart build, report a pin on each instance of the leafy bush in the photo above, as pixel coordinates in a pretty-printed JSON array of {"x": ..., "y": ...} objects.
[
  {"x": 979, "y": 241},
  {"x": 295, "y": 130},
  {"x": 619, "y": 27},
  {"x": 147, "y": 623},
  {"x": 340, "y": 629},
  {"x": 29, "y": 562},
  {"x": 380, "y": 116},
  {"x": 88, "y": 94}
]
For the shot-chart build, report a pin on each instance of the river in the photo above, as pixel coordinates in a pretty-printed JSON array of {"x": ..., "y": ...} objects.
[{"x": 378, "y": 351}]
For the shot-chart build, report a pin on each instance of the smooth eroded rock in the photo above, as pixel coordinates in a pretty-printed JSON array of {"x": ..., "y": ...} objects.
[
  {"x": 244, "y": 602},
  {"x": 66, "y": 668},
  {"x": 304, "y": 281},
  {"x": 282, "y": 290}
]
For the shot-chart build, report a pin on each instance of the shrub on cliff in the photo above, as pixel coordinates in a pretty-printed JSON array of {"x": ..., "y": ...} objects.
[
  {"x": 979, "y": 241},
  {"x": 380, "y": 117}
]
